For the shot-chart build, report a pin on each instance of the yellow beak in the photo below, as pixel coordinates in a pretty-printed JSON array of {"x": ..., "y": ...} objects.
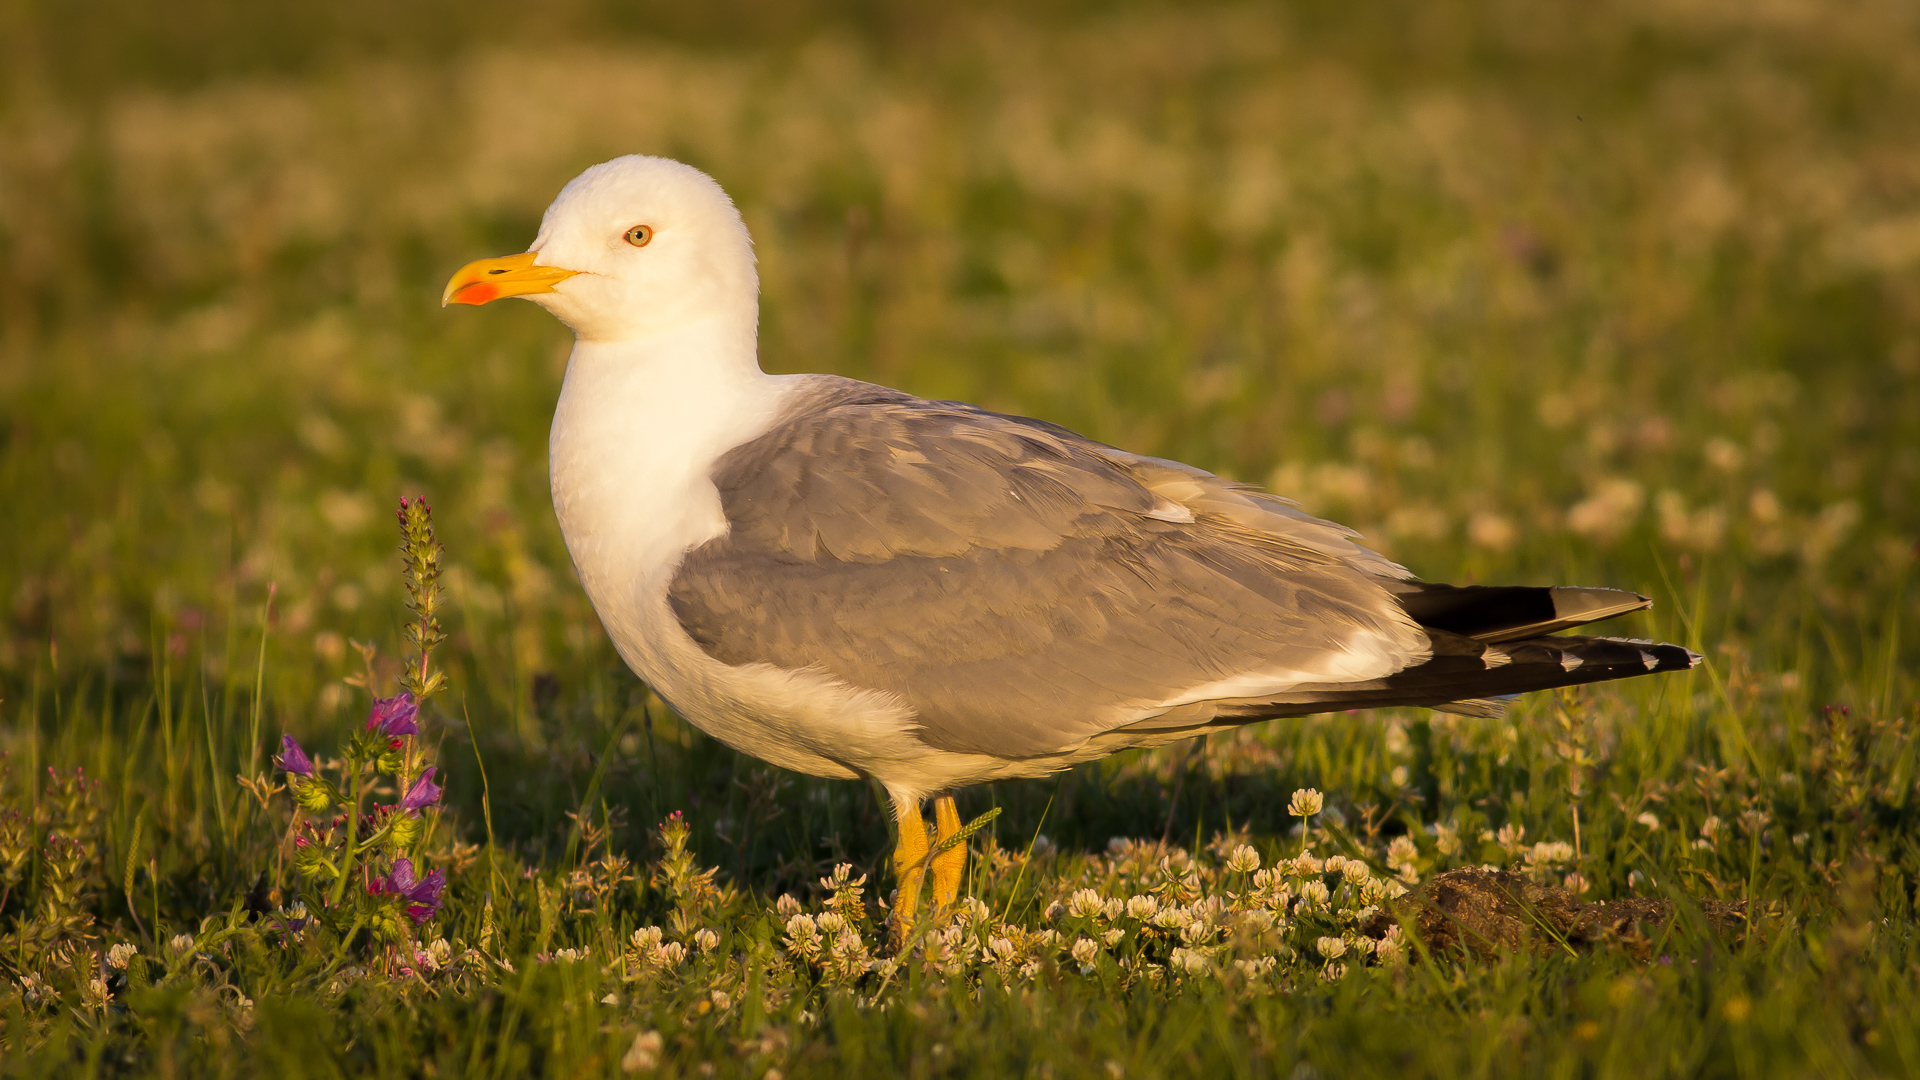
[{"x": 490, "y": 279}]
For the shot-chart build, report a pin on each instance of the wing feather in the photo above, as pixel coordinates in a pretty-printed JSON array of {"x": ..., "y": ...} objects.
[{"x": 1023, "y": 589}]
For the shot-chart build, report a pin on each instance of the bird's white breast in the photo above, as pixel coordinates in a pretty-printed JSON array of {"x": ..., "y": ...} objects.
[{"x": 636, "y": 434}]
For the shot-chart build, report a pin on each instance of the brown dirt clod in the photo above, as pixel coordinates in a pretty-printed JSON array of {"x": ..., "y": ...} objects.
[{"x": 1485, "y": 914}]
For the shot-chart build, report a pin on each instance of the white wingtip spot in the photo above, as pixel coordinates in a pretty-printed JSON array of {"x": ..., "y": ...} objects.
[
  {"x": 1649, "y": 659},
  {"x": 1494, "y": 658},
  {"x": 1570, "y": 662}
]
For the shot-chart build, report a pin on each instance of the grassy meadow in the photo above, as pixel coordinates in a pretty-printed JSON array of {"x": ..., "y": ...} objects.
[{"x": 1626, "y": 295}]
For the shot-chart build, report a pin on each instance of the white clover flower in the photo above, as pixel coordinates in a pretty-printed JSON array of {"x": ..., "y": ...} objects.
[
  {"x": 1373, "y": 891},
  {"x": 1399, "y": 776},
  {"x": 849, "y": 952},
  {"x": 1446, "y": 838},
  {"x": 644, "y": 1054},
  {"x": 1083, "y": 904},
  {"x": 1001, "y": 947},
  {"x": 831, "y": 922},
  {"x": 787, "y": 906},
  {"x": 722, "y": 1000},
  {"x": 1257, "y": 920},
  {"x": 118, "y": 956},
  {"x": 1314, "y": 894},
  {"x": 1030, "y": 969},
  {"x": 33, "y": 988},
  {"x": 1112, "y": 937},
  {"x": 1332, "y": 948},
  {"x": 1085, "y": 950},
  {"x": 439, "y": 952},
  {"x": 95, "y": 993},
  {"x": 1710, "y": 827},
  {"x": 1187, "y": 960},
  {"x": 570, "y": 956},
  {"x": 975, "y": 910},
  {"x": 610, "y": 999},
  {"x": 647, "y": 939},
  {"x": 1575, "y": 883},
  {"x": 1263, "y": 879},
  {"x": 1356, "y": 871},
  {"x": 670, "y": 954},
  {"x": 1244, "y": 860},
  {"x": 1333, "y": 972},
  {"x": 1510, "y": 835},
  {"x": 842, "y": 878},
  {"x": 1113, "y": 909},
  {"x": 1409, "y": 874},
  {"x": 1142, "y": 906},
  {"x": 1305, "y": 865},
  {"x": 181, "y": 943},
  {"x": 1648, "y": 819},
  {"x": 1196, "y": 932},
  {"x": 1258, "y": 967},
  {"x": 1363, "y": 946},
  {"x": 1055, "y": 910},
  {"x": 705, "y": 939},
  {"x": 1172, "y": 918},
  {"x": 1306, "y": 802},
  {"x": 1402, "y": 849},
  {"x": 1546, "y": 853}
]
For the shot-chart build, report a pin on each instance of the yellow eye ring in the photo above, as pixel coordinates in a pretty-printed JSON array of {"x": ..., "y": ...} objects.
[{"x": 640, "y": 235}]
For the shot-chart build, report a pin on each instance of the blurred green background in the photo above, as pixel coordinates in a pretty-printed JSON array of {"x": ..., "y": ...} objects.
[
  {"x": 1619, "y": 293},
  {"x": 1625, "y": 293}
]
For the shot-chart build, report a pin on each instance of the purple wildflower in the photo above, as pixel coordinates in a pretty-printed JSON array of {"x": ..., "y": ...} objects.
[
  {"x": 421, "y": 895},
  {"x": 292, "y": 758},
  {"x": 394, "y": 715},
  {"x": 423, "y": 793}
]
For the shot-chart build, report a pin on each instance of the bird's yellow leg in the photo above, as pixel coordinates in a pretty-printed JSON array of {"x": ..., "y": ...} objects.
[
  {"x": 909, "y": 865},
  {"x": 951, "y": 864}
]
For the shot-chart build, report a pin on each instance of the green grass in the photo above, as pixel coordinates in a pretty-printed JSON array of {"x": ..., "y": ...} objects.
[{"x": 1624, "y": 296}]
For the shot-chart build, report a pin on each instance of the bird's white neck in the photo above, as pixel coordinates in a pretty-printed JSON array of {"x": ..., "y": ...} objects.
[{"x": 635, "y": 436}]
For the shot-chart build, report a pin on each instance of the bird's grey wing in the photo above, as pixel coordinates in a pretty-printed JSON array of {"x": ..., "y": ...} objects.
[{"x": 1021, "y": 588}]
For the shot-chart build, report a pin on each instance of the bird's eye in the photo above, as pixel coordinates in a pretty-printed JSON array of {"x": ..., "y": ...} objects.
[{"x": 640, "y": 235}]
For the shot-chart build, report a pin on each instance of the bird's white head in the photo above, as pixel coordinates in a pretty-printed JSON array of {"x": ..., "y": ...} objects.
[{"x": 631, "y": 249}]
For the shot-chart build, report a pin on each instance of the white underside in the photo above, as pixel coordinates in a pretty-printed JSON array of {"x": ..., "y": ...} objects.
[{"x": 635, "y": 436}]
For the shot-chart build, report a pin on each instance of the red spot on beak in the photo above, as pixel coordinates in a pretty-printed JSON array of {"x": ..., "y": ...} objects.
[{"x": 477, "y": 293}]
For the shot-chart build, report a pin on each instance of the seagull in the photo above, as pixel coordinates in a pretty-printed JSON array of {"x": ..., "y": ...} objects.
[{"x": 850, "y": 581}]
